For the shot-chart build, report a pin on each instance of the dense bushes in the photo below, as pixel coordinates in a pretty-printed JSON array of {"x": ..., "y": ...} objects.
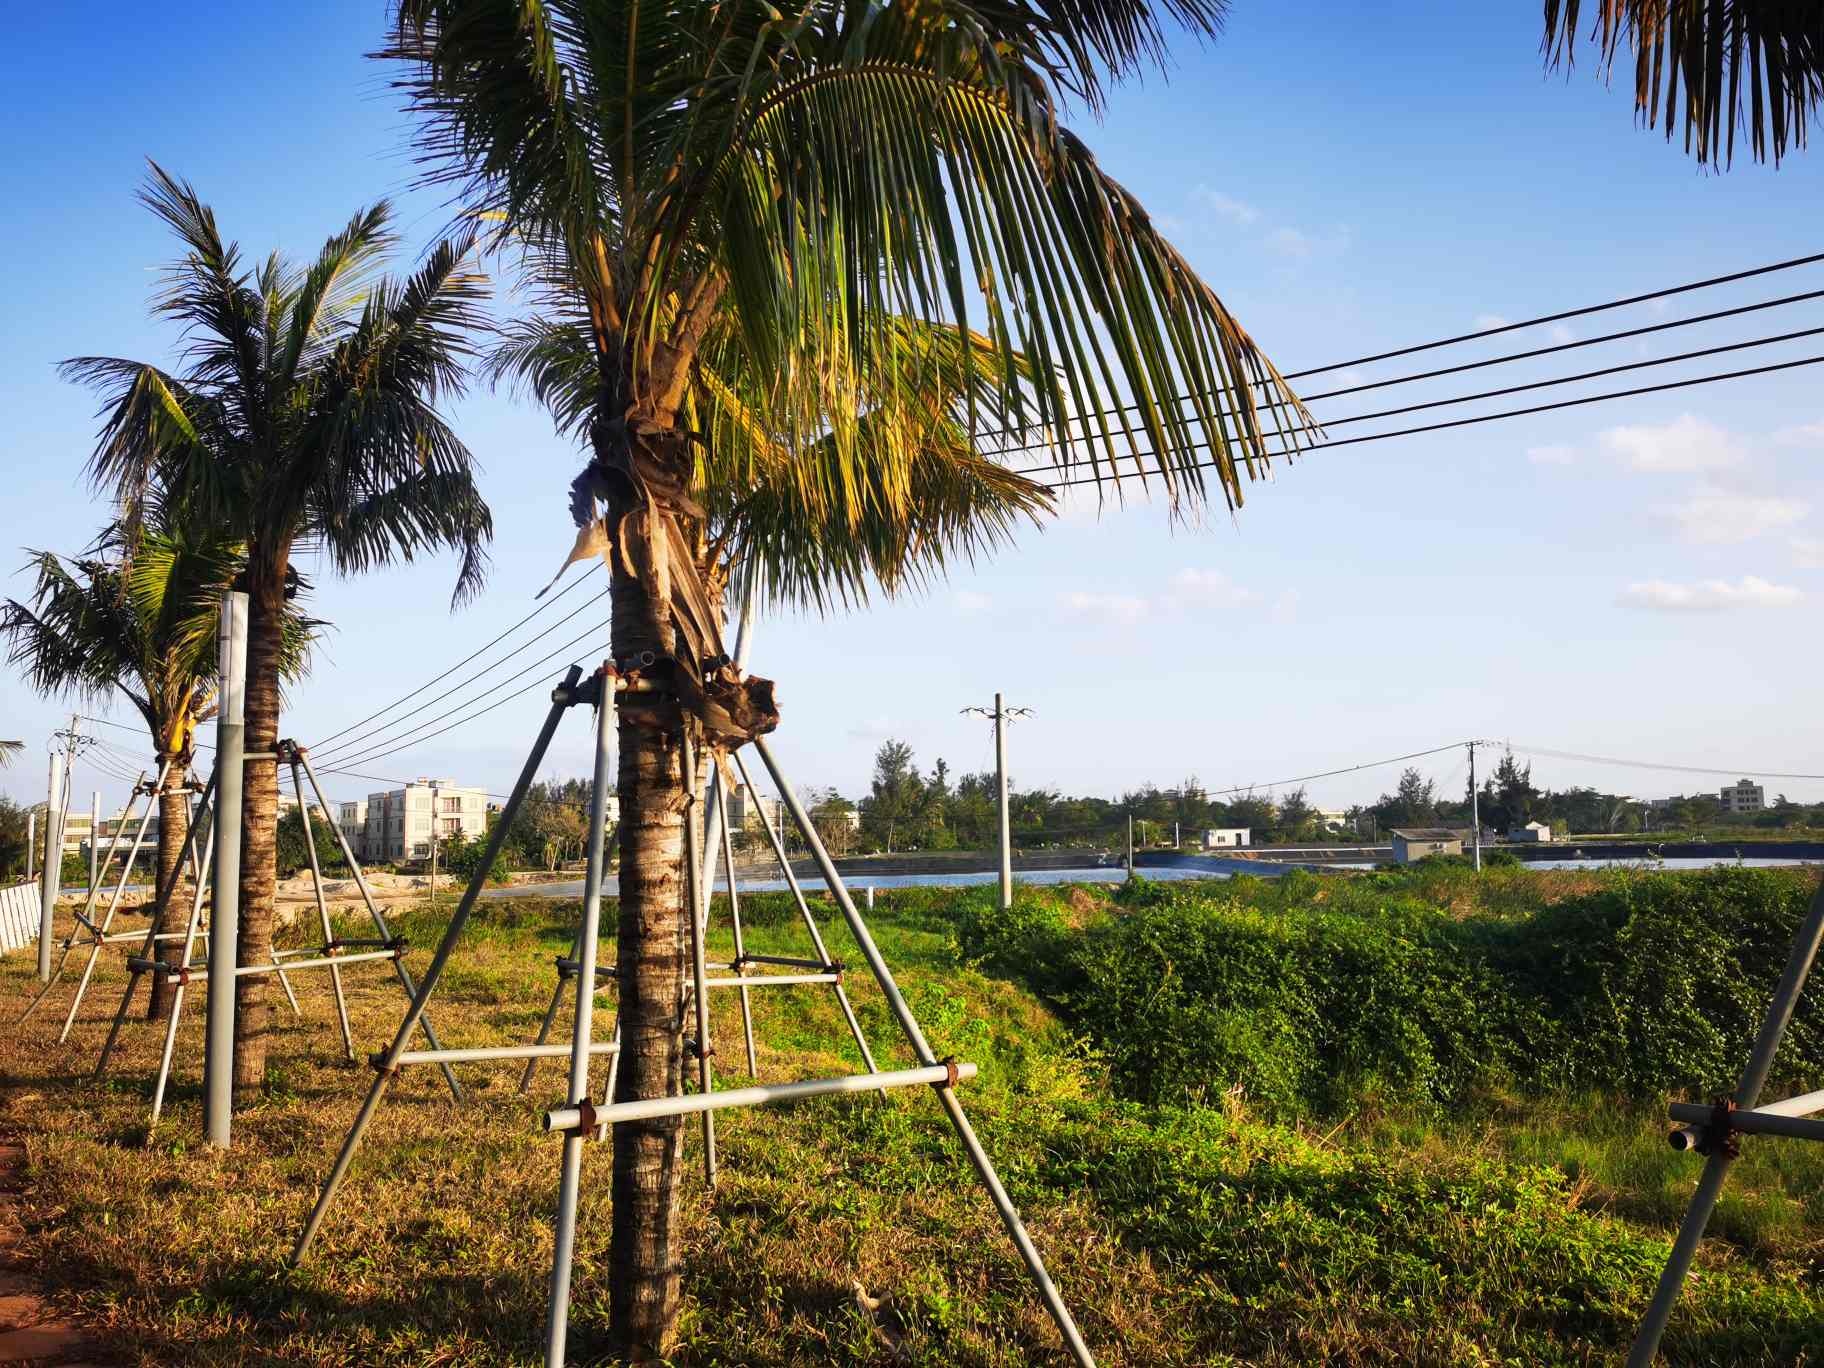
[{"x": 1316, "y": 994}]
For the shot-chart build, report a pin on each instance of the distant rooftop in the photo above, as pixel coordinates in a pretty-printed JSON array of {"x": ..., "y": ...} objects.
[{"x": 1429, "y": 833}]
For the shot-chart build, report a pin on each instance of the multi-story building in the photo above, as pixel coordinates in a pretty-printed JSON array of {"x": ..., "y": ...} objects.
[
  {"x": 747, "y": 811},
  {"x": 351, "y": 817},
  {"x": 398, "y": 824},
  {"x": 1744, "y": 796}
]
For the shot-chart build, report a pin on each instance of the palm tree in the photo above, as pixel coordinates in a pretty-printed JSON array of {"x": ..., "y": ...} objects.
[
  {"x": 136, "y": 616},
  {"x": 769, "y": 229},
  {"x": 303, "y": 415},
  {"x": 8, "y": 749},
  {"x": 1714, "y": 65}
]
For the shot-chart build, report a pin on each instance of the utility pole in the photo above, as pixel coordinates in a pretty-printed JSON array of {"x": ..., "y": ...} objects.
[
  {"x": 1177, "y": 840},
  {"x": 53, "y": 865},
  {"x": 224, "y": 921},
  {"x": 31, "y": 843},
  {"x": 1475, "y": 807},
  {"x": 1130, "y": 845},
  {"x": 94, "y": 839},
  {"x": 1002, "y": 715},
  {"x": 433, "y": 846}
]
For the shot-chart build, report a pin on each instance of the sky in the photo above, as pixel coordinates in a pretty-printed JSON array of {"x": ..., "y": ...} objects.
[{"x": 1636, "y": 579}]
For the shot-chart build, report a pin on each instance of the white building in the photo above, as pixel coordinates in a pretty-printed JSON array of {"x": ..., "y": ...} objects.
[
  {"x": 1415, "y": 843},
  {"x": 748, "y": 810},
  {"x": 352, "y": 818},
  {"x": 1532, "y": 831},
  {"x": 397, "y": 824},
  {"x": 1219, "y": 838},
  {"x": 1744, "y": 796}
]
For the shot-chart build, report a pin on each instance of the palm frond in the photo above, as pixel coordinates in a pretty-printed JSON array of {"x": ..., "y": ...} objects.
[{"x": 1714, "y": 67}]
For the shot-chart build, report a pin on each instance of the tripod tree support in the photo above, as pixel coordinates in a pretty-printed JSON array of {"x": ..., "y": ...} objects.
[{"x": 1712, "y": 1130}]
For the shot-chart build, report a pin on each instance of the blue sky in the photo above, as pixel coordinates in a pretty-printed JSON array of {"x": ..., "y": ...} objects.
[{"x": 1636, "y": 579}]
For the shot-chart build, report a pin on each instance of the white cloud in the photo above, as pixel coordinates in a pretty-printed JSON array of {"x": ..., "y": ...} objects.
[
  {"x": 1805, "y": 434},
  {"x": 1227, "y": 207},
  {"x": 1290, "y": 242},
  {"x": 1709, "y": 596},
  {"x": 872, "y": 729},
  {"x": 1484, "y": 321},
  {"x": 969, "y": 603},
  {"x": 1716, "y": 517},
  {"x": 1193, "y": 588},
  {"x": 1685, "y": 444},
  {"x": 1561, "y": 334},
  {"x": 1551, "y": 455},
  {"x": 1807, "y": 553},
  {"x": 1107, "y": 610}
]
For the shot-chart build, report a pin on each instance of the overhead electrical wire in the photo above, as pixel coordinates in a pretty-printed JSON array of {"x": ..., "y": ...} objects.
[
  {"x": 543, "y": 607},
  {"x": 1737, "y": 772}
]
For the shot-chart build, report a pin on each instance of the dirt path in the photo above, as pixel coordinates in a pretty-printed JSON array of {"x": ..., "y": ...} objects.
[{"x": 31, "y": 1331}]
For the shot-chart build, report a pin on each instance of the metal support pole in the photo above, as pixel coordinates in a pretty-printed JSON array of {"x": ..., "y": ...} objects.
[
  {"x": 151, "y": 941},
  {"x": 810, "y": 923},
  {"x": 53, "y": 868},
  {"x": 400, "y": 972},
  {"x": 1475, "y": 808},
  {"x": 94, "y": 841},
  {"x": 561, "y": 698},
  {"x": 120, "y": 887},
  {"x": 224, "y": 922},
  {"x": 699, "y": 901},
  {"x": 734, "y": 913},
  {"x": 1716, "y": 1167},
  {"x": 984, "y": 1167},
  {"x": 570, "y": 1119},
  {"x": 1000, "y": 783},
  {"x": 191, "y": 928},
  {"x": 316, "y": 883},
  {"x": 1130, "y": 846},
  {"x": 31, "y": 843},
  {"x": 570, "y": 1176}
]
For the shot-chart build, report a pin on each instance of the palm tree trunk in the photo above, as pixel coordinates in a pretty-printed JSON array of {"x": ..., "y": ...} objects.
[
  {"x": 643, "y": 1268},
  {"x": 173, "y": 826},
  {"x": 259, "y": 819}
]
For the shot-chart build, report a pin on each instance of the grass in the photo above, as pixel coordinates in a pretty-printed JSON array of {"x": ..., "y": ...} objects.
[{"x": 1179, "y": 1234}]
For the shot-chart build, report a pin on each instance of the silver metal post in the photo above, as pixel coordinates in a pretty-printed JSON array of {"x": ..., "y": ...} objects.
[
  {"x": 1000, "y": 781},
  {"x": 94, "y": 841},
  {"x": 1716, "y": 1167},
  {"x": 316, "y": 883},
  {"x": 31, "y": 843},
  {"x": 560, "y": 700},
  {"x": 384, "y": 931},
  {"x": 53, "y": 868},
  {"x": 810, "y": 922},
  {"x": 1130, "y": 846},
  {"x": 698, "y": 894},
  {"x": 570, "y": 1177},
  {"x": 984, "y": 1167},
  {"x": 224, "y": 922},
  {"x": 734, "y": 913}
]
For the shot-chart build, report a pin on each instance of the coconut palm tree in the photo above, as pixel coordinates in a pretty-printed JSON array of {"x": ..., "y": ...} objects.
[
  {"x": 8, "y": 749},
  {"x": 303, "y": 414},
  {"x": 771, "y": 229},
  {"x": 136, "y": 616},
  {"x": 1714, "y": 66}
]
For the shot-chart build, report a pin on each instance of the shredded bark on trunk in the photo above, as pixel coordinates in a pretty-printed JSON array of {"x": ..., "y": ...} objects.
[{"x": 259, "y": 831}]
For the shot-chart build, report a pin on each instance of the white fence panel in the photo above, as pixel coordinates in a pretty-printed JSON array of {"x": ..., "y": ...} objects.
[{"x": 18, "y": 917}]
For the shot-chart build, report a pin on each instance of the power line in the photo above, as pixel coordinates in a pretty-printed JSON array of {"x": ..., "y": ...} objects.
[
  {"x": 1526, "y": 355},
  {"x": 1737, "y": 772},
  {"x": 466, "y": 659},
  {"x": 1452, "y": 423},
  {"x": 376, "y": 750},
  {"x": 1331, "y": 774},
  {"x": 354, "y": 742},
  {"x": 535, "y": 684}
]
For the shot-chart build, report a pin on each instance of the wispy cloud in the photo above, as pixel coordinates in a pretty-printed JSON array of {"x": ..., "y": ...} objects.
[
  {"x": 1807, "y": 552},
  {"x": 969, "y": 603},
  {"x": 1105, "y": 610},
  {"x": 872, "y": 729},
  {"x": 1685, "y": 445},
  {"x": 1717, "y": 517},
  {"x": 1709, "y": 596},
  {"x": 1194, "y": 588},
  {"x": 1225, "y": 207},
  {"x": 1803, "y": 435},
  {"x": 1484, "y": 321}
]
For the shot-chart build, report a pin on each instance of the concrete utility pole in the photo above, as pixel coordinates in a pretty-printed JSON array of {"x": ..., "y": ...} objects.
[
  {"x": 1002, "y": 714},
  {"x": 1475, "y": 807},
  {"x": 224, "y": 921},
  {"x": 1130, "y": 846},
  {"x": 53, "y": 865},
  {"x": 433, "y": 845},
  {"x": 31, "y": 843}
]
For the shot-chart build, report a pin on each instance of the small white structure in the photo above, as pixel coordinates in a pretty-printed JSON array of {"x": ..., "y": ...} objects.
[
  {"x": 1415, "y": 843},
  {"x": 1219, "y": 838},
  {"x": 1532, "y": 831}
]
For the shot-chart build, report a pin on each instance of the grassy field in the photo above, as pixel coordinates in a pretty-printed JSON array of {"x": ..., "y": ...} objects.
[{"x": 1201, "y": 1229}]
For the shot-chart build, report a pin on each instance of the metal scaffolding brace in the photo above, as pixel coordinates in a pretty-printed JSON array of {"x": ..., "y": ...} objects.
[
  {"x": 331, "y": 954},
  {"x": 582, "y": 1119},
  {"x": 1713, "y": 1130}
]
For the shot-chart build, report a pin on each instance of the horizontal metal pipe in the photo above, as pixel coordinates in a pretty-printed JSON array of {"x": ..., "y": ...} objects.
[
  {"x": 483, "y": 1052},
  {"x": 1757, "y": 1122},
  {"x": 770, "y": 980},
  {"x": 569, "y": 1118},
  {"x": 1805, "y": 1104},
  {"x": 785, "y": 961},
  {"x": 567, "y": 966},
  {"x": 248, "y": 970}
]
